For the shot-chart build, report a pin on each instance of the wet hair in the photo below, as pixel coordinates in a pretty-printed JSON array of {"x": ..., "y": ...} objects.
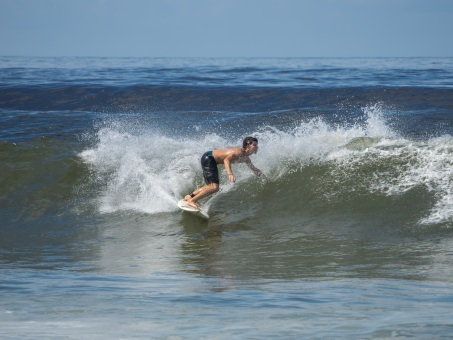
[{"x": 248, "y": 141}]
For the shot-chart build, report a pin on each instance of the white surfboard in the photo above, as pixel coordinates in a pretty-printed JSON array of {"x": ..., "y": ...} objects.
[{"x": 198, "y": 212}]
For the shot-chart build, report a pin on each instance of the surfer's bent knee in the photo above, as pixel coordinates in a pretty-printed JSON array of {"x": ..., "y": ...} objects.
[{"x": 214, "y": 187}]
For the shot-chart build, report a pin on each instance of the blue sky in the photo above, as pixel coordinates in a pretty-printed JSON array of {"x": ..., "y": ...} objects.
[{"x": 227, "y": 28}]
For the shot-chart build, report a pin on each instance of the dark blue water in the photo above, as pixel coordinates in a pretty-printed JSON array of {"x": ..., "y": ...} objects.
[{"x": 351, "y": 237}]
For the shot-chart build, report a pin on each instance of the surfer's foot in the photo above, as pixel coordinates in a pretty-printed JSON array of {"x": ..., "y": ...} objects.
[{"x": 193, "y": 204}]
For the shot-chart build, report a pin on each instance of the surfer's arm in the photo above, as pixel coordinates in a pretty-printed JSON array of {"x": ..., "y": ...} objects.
[
  {"x": 227, "y": 162},
  {"x": 255, "y": 170}
]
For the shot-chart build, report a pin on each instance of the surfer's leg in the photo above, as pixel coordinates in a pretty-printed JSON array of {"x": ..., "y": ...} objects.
[
  {"x": 189, "y": 196},
  {"x": 205, "y": 191},
  {"x": 211, "y": 178},
  {"x": 192, "y": 195}
]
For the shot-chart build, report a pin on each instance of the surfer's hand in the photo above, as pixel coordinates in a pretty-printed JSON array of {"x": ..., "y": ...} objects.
[
  {"x": 263, "y": 178},
  {"x": 231, "y": 178}
]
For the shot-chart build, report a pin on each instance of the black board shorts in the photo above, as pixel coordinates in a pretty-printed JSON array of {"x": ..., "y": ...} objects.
[{"x": 210, "y": 170}]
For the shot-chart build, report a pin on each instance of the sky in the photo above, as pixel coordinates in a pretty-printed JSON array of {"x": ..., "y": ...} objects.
[{"x": 227, "y": 28}]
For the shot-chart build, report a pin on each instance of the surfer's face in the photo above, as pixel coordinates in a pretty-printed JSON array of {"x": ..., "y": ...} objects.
[{"x": 253, "y": 147}]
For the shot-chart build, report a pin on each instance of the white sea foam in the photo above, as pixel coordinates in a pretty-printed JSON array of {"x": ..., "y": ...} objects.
[
  {"x": 145, "y": 171},
  {"x": 401, "y": 165}
]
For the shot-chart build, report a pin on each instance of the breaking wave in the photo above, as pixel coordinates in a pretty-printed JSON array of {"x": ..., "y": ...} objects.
[{"x": 365, "y": 169}]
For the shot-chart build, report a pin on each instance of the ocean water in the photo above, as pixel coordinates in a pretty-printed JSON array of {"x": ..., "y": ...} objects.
[{"x": 351, "y": 238}]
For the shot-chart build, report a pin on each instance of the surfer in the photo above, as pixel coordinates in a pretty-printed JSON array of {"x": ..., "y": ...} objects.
[{"x": 211, "y": 159}]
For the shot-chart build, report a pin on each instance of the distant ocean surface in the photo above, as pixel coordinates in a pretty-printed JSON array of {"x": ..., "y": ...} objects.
[{"x": 352, "y": 237}]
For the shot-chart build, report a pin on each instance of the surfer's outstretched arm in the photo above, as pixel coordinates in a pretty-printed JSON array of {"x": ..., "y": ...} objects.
[{"x": 255, "y": 170}]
